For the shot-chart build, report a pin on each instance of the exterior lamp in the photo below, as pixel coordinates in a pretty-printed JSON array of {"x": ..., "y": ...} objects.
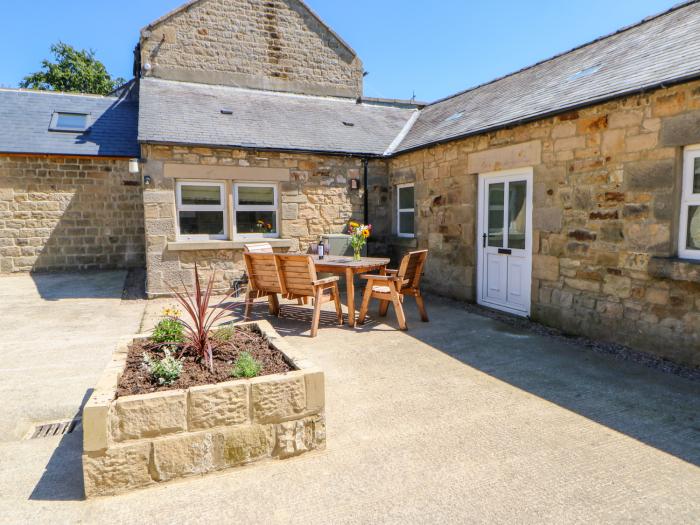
[{"x": 134, "y": 166}]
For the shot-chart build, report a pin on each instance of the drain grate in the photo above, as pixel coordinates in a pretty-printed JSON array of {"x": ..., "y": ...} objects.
[{"x": 59, "y": 428}]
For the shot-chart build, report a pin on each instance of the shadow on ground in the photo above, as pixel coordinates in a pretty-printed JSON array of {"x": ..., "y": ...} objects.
[
  {"x": 656, "y": 408},
  {"x": 91, "y": 285},
  {"x": 62, "y": 479}
]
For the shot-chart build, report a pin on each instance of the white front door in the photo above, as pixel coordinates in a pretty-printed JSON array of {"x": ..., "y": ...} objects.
[{"x": 504, "y": 267}]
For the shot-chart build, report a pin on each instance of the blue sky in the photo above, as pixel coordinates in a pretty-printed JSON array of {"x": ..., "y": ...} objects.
[{"x": 433, "y": 48}]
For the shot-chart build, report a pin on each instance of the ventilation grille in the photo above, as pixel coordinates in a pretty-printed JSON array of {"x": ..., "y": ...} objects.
[{"x": 60, "y": 428}]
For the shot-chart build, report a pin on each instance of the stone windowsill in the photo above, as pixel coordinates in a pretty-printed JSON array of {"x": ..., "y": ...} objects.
[
  {"x": 191, "y": 246},
  {"x": 675, "y": 269}
]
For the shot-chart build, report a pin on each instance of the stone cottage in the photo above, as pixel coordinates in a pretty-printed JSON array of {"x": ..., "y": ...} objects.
[{"x": 568, "y": 191}]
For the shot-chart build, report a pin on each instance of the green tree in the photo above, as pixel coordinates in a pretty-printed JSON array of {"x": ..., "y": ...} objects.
[{"x": 73, "y": 71}]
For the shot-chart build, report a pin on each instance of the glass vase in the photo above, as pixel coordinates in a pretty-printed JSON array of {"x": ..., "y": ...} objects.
[{"x": 357, "y": 253}]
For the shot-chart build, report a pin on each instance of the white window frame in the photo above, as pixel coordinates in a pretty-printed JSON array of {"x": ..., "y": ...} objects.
[
  {"x": 248, "y": 207},
  {"x": 53, "y": 126},
  {"x": 688, "y": 198},
  {"x": 400, "y": 210},
  {"x": 223, "y": 207}
]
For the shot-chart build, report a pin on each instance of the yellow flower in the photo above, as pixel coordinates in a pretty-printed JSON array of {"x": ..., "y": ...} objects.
[
  {"x": 171, "y": 312},
  {"x": 365, "y": 233}
]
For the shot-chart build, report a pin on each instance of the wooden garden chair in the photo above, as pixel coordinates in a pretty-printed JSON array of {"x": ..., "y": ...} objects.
[
  {"x": 258, "y": 247},
  {"x": 299, "y": 280},
  {"x": 264, "y": 247},
  {"x": 392, "y": 288},
  {"x": 263, "y": 280}
]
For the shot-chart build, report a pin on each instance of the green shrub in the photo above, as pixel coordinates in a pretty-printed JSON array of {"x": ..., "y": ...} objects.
[
  {"x": 168, "y": 331},
  {"x": 167, "y": 370},
  {"x": 223, "y": 334},
  {"x": 246, "y": 366}
]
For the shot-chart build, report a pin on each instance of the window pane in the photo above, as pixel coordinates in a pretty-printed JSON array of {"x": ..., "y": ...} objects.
[
  {"x": 201, "y": 195},
  {"x": 201, "y": 223},
  {"x": 407, "y": 223},
  {"x": 696, "y": 176},
  {"x": 261, "y": 222},
  {"x": 693, "y": 242},
  {"x": 406, "y": 198},
  {"x": 495, "y": 218},
  {"x": 254, "y": 196},
  {"x": 71, "y": 121},
  {"x": 516, "y": 214}
]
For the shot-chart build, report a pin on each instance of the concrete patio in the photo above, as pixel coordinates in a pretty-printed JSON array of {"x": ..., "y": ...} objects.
[{"x": 463, "y": 419}]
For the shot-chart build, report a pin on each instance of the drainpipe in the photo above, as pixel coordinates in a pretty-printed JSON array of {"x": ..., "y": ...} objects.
[{"x": 365, "y": 195}]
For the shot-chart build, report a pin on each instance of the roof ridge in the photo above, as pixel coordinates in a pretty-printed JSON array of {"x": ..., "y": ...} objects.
[
  {"x": 50, "y": 92},
  {"x": 289, "y": 94},
  {"x": 398, "y": 139},
  {"x": 186, "y": 6},
  {"x": 645, "y": 20}
]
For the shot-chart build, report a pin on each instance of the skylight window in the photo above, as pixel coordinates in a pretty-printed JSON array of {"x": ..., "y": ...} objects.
[
  {"x": 455, "y": 116},
  {"x": 586, "y": 72},
  {"x": 65, "y": 121}
]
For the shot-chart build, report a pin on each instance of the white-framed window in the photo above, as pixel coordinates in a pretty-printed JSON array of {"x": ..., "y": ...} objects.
[
  {"x": 689, "y": 230},
  {"x": 255, "y": 209},
  {"x": 67, "y": 121},
  {"x": 405, "y": 210},
  {"x": 201, "y": 210}
]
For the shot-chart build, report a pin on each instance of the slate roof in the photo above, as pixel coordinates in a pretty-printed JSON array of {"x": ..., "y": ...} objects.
[
  {"x": 658, "y": 51},
  {"x": 184, "y": 113},
  {"x": 25, "y": 117},
  {"x": 661, "y": 49}
]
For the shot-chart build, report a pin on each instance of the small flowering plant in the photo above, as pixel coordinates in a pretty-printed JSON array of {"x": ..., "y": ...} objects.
[{"x": 359, "y": 233}]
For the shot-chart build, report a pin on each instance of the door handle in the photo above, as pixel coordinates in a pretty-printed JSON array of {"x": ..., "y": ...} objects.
[
  {"x": 484, "y": 245},
  {"x": 505, "y": 251}
]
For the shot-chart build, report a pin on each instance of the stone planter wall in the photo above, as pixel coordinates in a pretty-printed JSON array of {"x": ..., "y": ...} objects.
[{"x": 137, "y": 441}]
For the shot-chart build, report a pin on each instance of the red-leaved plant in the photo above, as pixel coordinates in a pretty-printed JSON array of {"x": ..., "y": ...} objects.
[{"x": 202, "y": 317}]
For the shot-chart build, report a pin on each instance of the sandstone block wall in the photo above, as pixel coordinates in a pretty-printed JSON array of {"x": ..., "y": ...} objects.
[
  {"x": 59, "y": 213},
  {"x": 262, "y": 44},
  {"x": 606, "y": 212},
  {"x": 315, "y": 199},
  {"x": 140, "y": 440}
]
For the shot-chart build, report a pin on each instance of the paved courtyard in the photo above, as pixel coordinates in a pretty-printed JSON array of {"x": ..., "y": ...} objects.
[{"x": 464, "y": 419}]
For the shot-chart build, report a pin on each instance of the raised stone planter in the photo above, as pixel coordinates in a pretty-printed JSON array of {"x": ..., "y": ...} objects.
[{"x": 136, "y": 441}]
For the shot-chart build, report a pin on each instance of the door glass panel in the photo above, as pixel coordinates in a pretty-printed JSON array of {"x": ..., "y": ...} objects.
[
  {"x": 517, "y": 211},
  {"x": 201, "y": 195},
  {"x": 495, "y": 214},
  {"x": 696, "y": 176},
  {"x": 693, "y": 228}
]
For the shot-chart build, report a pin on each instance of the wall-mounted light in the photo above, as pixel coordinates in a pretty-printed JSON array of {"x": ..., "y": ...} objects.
[
  {"x": 134, "y": 166},
  {"x": 354, "y": 184},
  {"x": 147, "y": 180}
]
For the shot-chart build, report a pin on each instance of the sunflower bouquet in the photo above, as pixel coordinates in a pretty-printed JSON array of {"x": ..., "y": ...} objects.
[{"x": 359, "y": 233}]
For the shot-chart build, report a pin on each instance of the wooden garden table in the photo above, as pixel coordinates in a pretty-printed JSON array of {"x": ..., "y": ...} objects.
[{"x": 347, "y": 266}]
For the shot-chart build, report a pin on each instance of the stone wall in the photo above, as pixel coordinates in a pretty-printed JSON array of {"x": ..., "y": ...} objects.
[
  {"x": 606, "y": 209},
  {"x": 136, "y": 441},
  {"x": 315, "y": 199},
  {"x": 263, "y": 44},
  {"x": 60, "y": 213}
]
